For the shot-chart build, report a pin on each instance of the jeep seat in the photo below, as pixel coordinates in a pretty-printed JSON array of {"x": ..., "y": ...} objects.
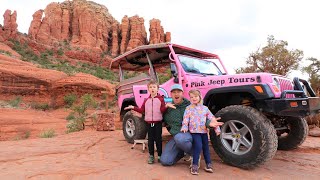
[{"x": 125, "y": 86}]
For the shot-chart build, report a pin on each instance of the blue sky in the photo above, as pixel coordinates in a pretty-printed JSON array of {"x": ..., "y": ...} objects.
[{"x": 230, "y": 28}]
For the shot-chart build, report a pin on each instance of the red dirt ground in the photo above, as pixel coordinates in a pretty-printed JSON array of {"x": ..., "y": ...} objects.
[{"x": 106, "y": 155}]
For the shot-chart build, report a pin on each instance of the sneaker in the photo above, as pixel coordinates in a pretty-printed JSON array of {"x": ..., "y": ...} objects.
[
  {"x": 192, "y": 162},
  {"x": 159, "y": 157},
  {"x": 187, "y": 157},
  {"x": 194, "y": 170},
  {"x": 151, "y": 159},
  {"x": 209, "y": 168}
]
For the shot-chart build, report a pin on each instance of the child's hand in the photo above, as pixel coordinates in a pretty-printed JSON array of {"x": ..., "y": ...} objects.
[
  {"x": 129, "y": 107},
  {"x": 214, "y": 122},
  {"x": 170, "y": 105},
  {"x": 215, "y": 119},
  {"x": 184, "y": 131}
]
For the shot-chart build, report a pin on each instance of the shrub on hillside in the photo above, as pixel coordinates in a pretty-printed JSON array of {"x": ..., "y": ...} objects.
[
  {"x": 40, "y": 106},
  {"x": 15, "y": 102},
  {"x": 70, "y": 99},
  {"x": 47, "y": 133},
  {"x": 79, "y": 114}
]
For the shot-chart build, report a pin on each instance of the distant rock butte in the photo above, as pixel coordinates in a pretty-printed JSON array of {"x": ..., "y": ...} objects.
[
  {"x": 88, "y": 25},
  {"x": 10, "y": 26}
]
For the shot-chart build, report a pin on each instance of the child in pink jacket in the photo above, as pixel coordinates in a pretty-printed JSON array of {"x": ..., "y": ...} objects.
[{"x": 153, "y": 108}]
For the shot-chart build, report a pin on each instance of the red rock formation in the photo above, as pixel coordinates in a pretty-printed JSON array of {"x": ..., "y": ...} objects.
[
  {"x": 79, "y": 84},
  {"x": 19, "y": 78},
  {"x": 115, "y": 40},
  {"x": 156, "y": 32},
  {"x": 138, "y": 34},
  {"x": 9, "y": 26},
  {"x": 168, "y": 37},
  {"x": 7, "y": 49},
  {"x": 65, "y": 23},
  {"x": 1, "y": 34},
  {"x": 83, "y": 55},
  {"x": 105, "y": 121},
  {"x": 85, "y": 23},
  {"x": 125, "y": 34},
  {"x": 35, "y": 24}
]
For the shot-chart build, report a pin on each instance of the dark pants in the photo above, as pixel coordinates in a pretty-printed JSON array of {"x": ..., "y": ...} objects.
[
  {"x": 155, "y": 135},
  {"x": 200, "y": 142}
]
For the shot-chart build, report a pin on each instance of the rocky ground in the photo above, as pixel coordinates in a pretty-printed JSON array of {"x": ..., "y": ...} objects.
[{"x": 106, "y": 155}]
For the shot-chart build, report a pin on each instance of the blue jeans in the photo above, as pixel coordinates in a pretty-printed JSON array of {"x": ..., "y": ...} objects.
[
  {"x": 200, "y": 142},
  {"x": 175, "y": 149}
]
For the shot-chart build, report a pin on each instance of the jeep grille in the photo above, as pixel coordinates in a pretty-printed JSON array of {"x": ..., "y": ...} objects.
[{"x": 285, "y": 84}]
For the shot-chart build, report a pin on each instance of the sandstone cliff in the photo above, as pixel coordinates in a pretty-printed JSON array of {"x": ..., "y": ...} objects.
[
  {"x": 19, "y": 78},
  {"x": 84, "y": 31},
  {"x": 89, "y": 26}
]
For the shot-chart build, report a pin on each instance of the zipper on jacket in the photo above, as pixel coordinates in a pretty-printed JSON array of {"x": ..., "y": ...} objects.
[{"x": 152, "y": 124}]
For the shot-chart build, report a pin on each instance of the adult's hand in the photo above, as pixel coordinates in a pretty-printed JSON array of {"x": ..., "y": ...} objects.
[
  {"x": 170, "y": 105},
  {"x": 135, "y": 113}
]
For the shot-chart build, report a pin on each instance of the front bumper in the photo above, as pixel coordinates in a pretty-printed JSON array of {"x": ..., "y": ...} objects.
[
  {"x": 300, "y": 106},
  {"x": 294, "y": 107}
]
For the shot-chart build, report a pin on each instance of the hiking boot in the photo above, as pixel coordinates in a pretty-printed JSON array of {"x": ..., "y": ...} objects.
[
  {"x": 151, "y": 159},
  {"x": 159, "y": 157},
  {"x": 192, "y": 162},
  {"x": 209, "y": 168},
  {"x": 194, "y": 170}
]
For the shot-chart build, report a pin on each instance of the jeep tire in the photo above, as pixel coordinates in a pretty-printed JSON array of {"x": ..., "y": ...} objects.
[
  {"x": 247, "y": 139},
  {"x": 297, "y": 133},
  {"x": 133, "y": 127}
]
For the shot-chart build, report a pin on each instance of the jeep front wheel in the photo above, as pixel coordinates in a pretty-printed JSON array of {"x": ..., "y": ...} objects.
[
  {"x": 133, "y": 127},
  {"x": 247, "y": 137}
]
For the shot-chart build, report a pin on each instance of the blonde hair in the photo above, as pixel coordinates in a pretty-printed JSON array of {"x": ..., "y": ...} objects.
[
  {"x": 196, "y": 93},
  {"x": 152, "y": 81}
]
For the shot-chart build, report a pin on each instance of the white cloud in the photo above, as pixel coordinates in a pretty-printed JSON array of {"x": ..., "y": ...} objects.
[{"x": 231, "y": 28}]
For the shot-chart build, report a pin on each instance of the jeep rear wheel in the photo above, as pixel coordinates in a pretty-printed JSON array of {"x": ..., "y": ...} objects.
[
  {"x": 133, "y": 127},
  {"x": 247, "y": 137},
  {"x": 295, "y": 134}
]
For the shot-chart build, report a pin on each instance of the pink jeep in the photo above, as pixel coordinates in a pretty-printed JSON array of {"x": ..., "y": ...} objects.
[{"x": 262, "y": 112}]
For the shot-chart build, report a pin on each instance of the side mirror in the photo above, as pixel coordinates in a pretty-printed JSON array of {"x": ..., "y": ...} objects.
[{"x": 174, "y": 72}]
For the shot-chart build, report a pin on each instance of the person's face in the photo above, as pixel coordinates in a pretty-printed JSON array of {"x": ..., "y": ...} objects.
[
  {"x": 177, "y": 96},
  {"x": 153, "y": 89},
  {"x": 195, "y": 99}
]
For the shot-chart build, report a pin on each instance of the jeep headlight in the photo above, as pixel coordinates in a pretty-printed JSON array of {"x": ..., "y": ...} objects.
[{"x": 276, "y": 85}]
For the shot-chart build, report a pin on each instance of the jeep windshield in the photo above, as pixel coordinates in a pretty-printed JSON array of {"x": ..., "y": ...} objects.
[{"x": 199, "y": 66}]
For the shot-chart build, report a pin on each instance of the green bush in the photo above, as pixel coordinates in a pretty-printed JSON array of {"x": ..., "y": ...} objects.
[
  {"x": 15, "y": 102},
  {"x": 70, "y": 99},
  {"x": 60, "y": 52},
  {"x": 50, "y": 52},
  {"x": 5, "y": 52},
  {"x": 164, "y": 77},
  {"x": 70, "y": 116},
  {"x": 78, "y": 116},
  {"x": 27, "y": 135},
  {"x": 47, "y": 133},
  {"x": 40, "y": 106}
]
